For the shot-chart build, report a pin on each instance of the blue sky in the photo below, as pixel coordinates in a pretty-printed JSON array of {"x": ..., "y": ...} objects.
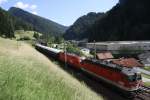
[{"x": 62, "y": 11}]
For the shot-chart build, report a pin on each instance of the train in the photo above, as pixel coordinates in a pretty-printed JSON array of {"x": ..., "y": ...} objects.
[{"x": 124, "y": 78}]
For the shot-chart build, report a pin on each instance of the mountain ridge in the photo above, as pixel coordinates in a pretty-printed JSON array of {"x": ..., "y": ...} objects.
[
  {"x": 8, "y": 24},
  {"x": 76, "y": 31},
  {"x": 128, "y": 20},
  {"x": 39, "y": 23}
]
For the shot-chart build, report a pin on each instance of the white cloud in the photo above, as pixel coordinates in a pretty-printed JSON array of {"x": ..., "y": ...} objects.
[
  {"x": 21, "y": 5},
  {"x": 34, "y": 12},
  {"x": 2, "y": 1},
  {"x": 31, "y": 7}
]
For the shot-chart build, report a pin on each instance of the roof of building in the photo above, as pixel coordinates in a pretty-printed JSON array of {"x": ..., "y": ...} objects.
[
  {"x": 119, "y": 42},
  {"x": 105, "y": 55},
  {"x": 128, "y": 62}
]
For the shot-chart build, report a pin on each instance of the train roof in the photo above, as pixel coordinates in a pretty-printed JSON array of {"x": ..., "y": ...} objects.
[
  {"x": 104, "y": 64},
  {"x": 50, "y": 49},
  {"x": 110, "y": 65},
  {"x": 130, "y": 71}
]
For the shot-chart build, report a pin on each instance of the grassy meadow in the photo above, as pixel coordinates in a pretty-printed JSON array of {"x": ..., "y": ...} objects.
[
  {"x": 26, "y": 74},
  {"x": 21, "y": 33}
]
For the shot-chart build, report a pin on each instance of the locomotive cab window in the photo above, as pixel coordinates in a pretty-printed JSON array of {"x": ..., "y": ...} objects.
[
  {"x": 135, "y": 77},
  {"x": 138, "y": 77}
]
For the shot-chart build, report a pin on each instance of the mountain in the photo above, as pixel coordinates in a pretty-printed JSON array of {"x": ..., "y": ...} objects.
[
  {"x": 40, "y": 24},
  {"x": 9, "y": 23},
  {"x": 77, "y": 30},
  {"x": 128, "y": 20}
]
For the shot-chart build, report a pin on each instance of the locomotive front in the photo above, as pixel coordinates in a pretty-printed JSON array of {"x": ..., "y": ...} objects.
[{"x": 133, "y": 79}]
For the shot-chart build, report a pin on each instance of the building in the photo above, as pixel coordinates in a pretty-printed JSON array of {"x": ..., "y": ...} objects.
[
  {"x": 104, "y": 55},
  {"x": 85, "y": 51},
  {"x": 115, "y": 46},
  {"x": 128, "y": 62},
  {"x": 145, "y": 58}
]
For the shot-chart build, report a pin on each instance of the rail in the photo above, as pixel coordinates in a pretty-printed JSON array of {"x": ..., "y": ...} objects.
[{"x": 142, "y": 94}]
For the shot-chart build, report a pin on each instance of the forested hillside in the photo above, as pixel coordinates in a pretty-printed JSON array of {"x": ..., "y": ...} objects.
[
  {"x": 77, "y": 30},
  {"x": 128, "y": 20},
  {"x": 8, "y": 24},
  {"x": 40, "y": 24}
]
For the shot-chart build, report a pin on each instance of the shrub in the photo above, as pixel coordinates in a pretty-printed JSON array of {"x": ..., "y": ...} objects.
[{"x": 25, "y": 38}]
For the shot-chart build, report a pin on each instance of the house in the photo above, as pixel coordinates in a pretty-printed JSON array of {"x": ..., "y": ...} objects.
[
  {"x": 145, "y": 58},
  {"x": 104, "y": 56},
  {"x": 127, "y": 62},
  {"x": 85, "y": 51}
]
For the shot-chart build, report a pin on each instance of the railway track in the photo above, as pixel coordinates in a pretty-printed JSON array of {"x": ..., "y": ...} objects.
[{"x": 142, "y": 94}]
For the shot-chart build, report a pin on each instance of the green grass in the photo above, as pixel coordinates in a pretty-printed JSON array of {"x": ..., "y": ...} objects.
[
  {"x": 147, "y": 84},
  {"x": 26, "y": 74},
  {"x": 146, "y": 76},
  {"x": 147, "y": 68},
  {"x": 21, "y": 33}
]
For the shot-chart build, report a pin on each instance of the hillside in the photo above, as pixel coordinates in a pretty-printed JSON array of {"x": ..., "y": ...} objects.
[
  {"x": 77, "y": 30},
  {"x": 128, "y": 20},
  {"x": 26, "y": 74},
  {"x": 40, "y": 24},
  {"x": 8, "y": 24}
]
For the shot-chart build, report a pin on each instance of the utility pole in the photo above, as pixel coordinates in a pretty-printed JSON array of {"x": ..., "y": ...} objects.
[
  {"x": 65, "y": 54},
  {"x": 94, "y": 50}
]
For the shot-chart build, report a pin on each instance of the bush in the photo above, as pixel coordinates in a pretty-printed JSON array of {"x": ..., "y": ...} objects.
[
  {"x": 73, "y": 49},
  {"x": 25, "y": 38},
  {"x": 36, "y": 35}
]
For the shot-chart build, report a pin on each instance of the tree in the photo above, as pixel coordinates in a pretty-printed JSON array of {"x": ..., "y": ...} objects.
[
  {"x": 36, "y": 35},
  {"x": 6, "y": 24},
  {"x": 73, "y": 49},
  {"x": 59, "y": 39}
]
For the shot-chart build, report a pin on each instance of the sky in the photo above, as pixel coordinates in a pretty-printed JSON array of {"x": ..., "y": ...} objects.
[{"x": 64, "y": 12}]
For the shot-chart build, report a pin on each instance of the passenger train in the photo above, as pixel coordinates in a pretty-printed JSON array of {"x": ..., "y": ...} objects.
[{"x": 127, "y": 79}]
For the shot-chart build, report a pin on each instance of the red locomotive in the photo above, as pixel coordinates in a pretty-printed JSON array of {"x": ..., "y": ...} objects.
[
  {"x": 70, "y": 59},
  {"x": 128, "y": 79}
]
